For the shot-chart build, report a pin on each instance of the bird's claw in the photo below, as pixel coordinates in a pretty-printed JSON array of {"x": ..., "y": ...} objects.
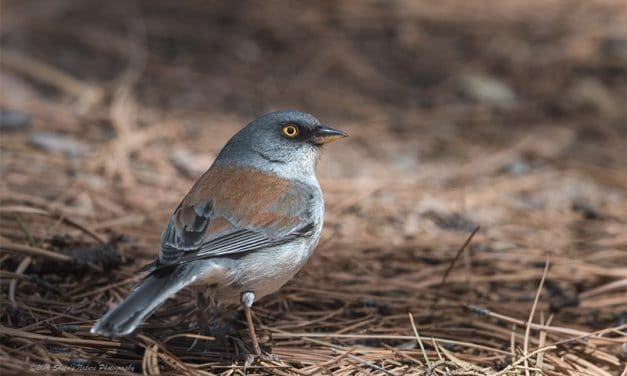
[{"x": 259, "y": 356}]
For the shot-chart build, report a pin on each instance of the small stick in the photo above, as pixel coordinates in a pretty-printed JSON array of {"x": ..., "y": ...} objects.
[
  {"x": 88, "y": 95},
  {"x": 402, "y": 354},
  {"x": 21, "y": 268},
  {"x": 29, "y": 236},
  {"x": 524, "y": 358},
  {"x": 371, "y": 365},
  {"x": 542, "y": 342},
  {"x": 621, "y": 283},
  {"x": 71, "y": 341},
  {"x": 422, "y": 348},
  {"x": 596, "y": 335},
  {"x": 451, "y": 266},
  {"x": 553, "y": 329},
  {"x": 33, "y": 251},
  {"x": 279, "y": 334},
  {"x": 24, "y": 264},
  {"x": 331, "y": 362},
  {"x": 53, "y": 214},
  {"x": 531, "y": 314},
  {"x": 512, "y": 341}
]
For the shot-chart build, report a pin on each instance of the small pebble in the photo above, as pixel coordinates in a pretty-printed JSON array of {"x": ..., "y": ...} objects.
[
  {"x": 13, "y": 120},
  {"x": 518, "y": 167},
  {"x": 57, "y": 143},
  {"x": 486, "y": 89}
]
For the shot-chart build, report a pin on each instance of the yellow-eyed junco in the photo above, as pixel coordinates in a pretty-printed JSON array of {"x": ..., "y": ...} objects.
[{"x": 245, "y": 228}]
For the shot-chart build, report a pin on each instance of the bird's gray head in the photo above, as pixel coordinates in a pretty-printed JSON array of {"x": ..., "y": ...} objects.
[{"x": 284, "y": 142}]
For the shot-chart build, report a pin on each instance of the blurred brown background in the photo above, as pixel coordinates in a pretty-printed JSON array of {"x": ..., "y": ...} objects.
[{"x": 510, "y": 115}]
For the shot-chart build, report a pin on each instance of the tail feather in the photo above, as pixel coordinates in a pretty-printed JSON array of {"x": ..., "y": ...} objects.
[{"x": 143, "y": 300}]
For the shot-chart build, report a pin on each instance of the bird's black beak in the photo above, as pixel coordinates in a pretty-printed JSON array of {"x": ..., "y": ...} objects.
[{"x": 323, "y": 135}]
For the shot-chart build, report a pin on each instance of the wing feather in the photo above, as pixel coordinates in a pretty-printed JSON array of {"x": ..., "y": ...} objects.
[{"x": 231, "y": 211}]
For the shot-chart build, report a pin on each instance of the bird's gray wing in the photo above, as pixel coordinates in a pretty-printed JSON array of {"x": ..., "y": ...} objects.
[{"x": 232, "y": 211}]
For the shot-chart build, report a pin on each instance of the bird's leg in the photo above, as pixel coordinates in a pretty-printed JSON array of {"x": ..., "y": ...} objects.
[
  {"x": 247, "y": 299},
  {"x": 202, "y": 316}
]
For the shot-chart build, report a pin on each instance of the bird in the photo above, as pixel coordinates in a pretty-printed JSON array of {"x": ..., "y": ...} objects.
[{"x": 245, "y": 228}]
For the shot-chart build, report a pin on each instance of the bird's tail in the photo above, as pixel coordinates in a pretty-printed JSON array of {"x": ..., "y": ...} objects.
[{"x": 144, "y": 299}]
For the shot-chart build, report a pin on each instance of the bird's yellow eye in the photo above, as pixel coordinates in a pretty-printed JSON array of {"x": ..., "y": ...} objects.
[{"x": 290, "y": 130}]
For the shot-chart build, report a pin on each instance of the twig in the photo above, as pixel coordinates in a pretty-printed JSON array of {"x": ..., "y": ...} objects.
[
  {"x": 189, "y": 335},
  {"x": 370, "y": 364},
  {"x": 595, "y": 334},
  {"x": 283, "y": 334},
  {"x": 73, "y": 341},
  {"x": 330, "y": 362},
  {"x": 59, "y": 216},
  {"x": 422, "y": 347},
  {"x": 533, "y": 310},
  {"x": 29, "y": 236},
  {"x": 461, "y": 363},
  {"x": 621, "y": 283},
  {"x": 450, "y": 267},
  {"x": 512, "y": 341},
  {"x": 541, "y": 343},
  {"x": 21, "y": 268},
  {"x": 402, "y": 354},
  {"x": 553, "y": 329},
  {"x": 9, "y": 246},
  {"x": 88, "y": 95},
  {"x": 155, "y": 350},
  {"x": 517, "y": 362}
]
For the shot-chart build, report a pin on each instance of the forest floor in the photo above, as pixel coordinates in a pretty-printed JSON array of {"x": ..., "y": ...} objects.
[{"x": 506, "y": 117}]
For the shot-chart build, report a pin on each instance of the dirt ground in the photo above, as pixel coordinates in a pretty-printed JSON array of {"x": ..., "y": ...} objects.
[{"x": 506, "y": 116}]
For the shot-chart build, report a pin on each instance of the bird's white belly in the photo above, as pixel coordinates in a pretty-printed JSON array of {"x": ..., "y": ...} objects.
[{"x": 265, "y": 271}]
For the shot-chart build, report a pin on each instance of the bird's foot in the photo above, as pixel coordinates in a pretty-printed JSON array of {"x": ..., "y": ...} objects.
[{"x": 260, "y": 356}]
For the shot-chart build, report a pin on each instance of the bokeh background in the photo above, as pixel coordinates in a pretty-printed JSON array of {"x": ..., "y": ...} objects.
[{"x": 508, "y": 115}]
